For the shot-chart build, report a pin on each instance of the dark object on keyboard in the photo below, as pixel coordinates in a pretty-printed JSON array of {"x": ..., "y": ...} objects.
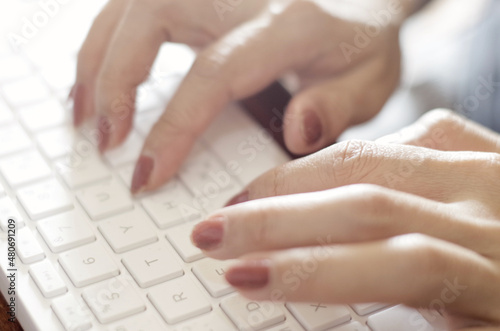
[{"x": 5, "y": 324}]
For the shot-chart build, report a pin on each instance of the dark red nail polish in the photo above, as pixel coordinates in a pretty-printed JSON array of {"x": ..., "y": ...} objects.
[
  {"x": 240, "y": 198},
  {"x": 142, "y": 172},
  {"x": 249, "y": 274},
  {"x": 208, "y": 235},
  {"x": 104, "y": 127},
  {"x": 78, "y": 95},
  {"x": 311, "y": 128}
]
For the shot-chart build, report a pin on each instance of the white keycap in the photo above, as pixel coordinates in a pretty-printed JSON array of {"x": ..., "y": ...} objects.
[
  {"x": 78, "y": 171},
  {"x": 126, "y": 172},
  {"x": 153, "y": 264},
  {"x": 128, "y": 152},
  {"x": 25, "y": 91},
  {"x": 13, "y": 139},
  {"x": 47, "y": 279},
  {"x": 28, "y": 249},
  {"x": 217, "y": 199},
  {"x": 319, "y": 316},
  {"x": 172, "y": 206},
  {"x": 44, "y": 199},
  {"x": 140, "y": 322},
  {"x": 60, "y": 141},
  {"x": 60, "y": 75},
  {"x": 399, "y": 318},
  {"x": 25, "y": 167},
  {"x": 178, "y": 300},
  {"x": 251, "y": 315},
  {"x": 12, "y": 68},
  {"x": 105, "y": 199},
  {"x": 128, "y": 231},
  {"x": 367, "y": 308},
  {"x": 353, "y": 326},
  {"x": 179, "y": 237},
  {"x": 213, "y": 321},
  {"x": 113, "y": 300},
  {"x": 211, "y": 274},
  {"x": 66, "y": 231},
  {"x": 73, "y": 315},
  {"x": 5, "y": 113},
  {"x": 43, "y": 115},
  {"x": 88, "y": 264},
  {"x": 2, "y": 190},
  {"x": 9, "y": 210},
  {"x": 203, "y": 174}
]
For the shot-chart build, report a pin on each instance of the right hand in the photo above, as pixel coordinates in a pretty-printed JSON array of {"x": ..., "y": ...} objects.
[{"x": 344, "y": 82}]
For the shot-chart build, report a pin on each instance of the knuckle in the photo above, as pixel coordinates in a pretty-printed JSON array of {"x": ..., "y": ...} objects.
[
  {"x": 171, "y": 124},
  {"x": 279, "y": 181},
  {"x": 425, "y": 256},
  {"x": 372, "y": 203},
  {"x": 208, "y": 64},
  {"x": 352, "y": 161}
]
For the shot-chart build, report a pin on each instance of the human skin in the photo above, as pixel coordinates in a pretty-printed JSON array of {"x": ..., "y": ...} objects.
[{"x": 416, "y": 211}]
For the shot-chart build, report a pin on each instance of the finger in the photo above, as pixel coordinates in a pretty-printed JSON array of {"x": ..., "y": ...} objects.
[
  {"x": 127, "y": 63},
  {"x": 445, "y": 130},
  {"x": 237, "y": 66},
  {"x": 419, "y": 171},
  {"x": 90, "y": 59},
  {"x": 413, "y": 269},
  {"x": 348, "y": 214},
  {"x": 317, "y": 116}
]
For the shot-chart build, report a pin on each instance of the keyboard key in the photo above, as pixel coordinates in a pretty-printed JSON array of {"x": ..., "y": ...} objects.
[
  {"x": 23, "y": 168},
  {"x": 5, "y": 113},
  {"x": 60, "y": 141},
  {"x": 153, "y": 264},
  {"x": 211, "y": 274},
  {"x": 12, "y": 68},
  {"x": 367, "y": 308},
  {"x": 88, "y": 264},
  {"x": 178, "y": 300},
  {"x": 9, "y": 210},
  {"x": 128, "y": 152},
  {"x": 105, "y": 199},
  {"x": 141, "y": 322},
  {"x": 354, "y": 326},
  {"x": 319, "y": 316},
  {"x": 47, "y": 279},
  {"x": 179, "y": 237},
  {"x": 2, "y": 190},
  {"x": 213, "y": 321},
  {"x": 126, "y": 172},
  {"x": 251, "y": 315},
  {"x": 44, "y": 199},
  {"x": 25, "y": 91},
  {"x": 43, "y": 115},
  {"x": 28, "y": 249},
  {"x": 73, "y": 315},
  {"x": 128, "y": 231},
  {"x": 78, "y": 171},
  {"x": 398, "y": 318},
  {"x": 289, "y": 325},
  {"x": 113, "y": 300},
  {"x": 66, "y": 231},
  {"x": 60, "y": 75},
  {"x": 13, "y": 139},
  {"x": 172, "y": 206}
]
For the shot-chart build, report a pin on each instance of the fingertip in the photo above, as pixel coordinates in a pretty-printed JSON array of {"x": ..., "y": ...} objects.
[{"x": 142, "y": 172}]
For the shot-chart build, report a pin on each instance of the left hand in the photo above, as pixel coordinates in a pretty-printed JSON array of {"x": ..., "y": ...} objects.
[{"x": 424, "y": 211}]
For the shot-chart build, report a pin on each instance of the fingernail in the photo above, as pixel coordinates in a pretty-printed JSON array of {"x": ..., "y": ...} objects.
[
  {"x": 249, "y": 275},
  {"x": 311, "y": 127},
  {"x": 208, "y": 234},
  {"x": 240, "y": 198},
  {"x": 78, "y": 95},
  {"x": 142, "y": 173},
  {"x": 104, "y": 127}
]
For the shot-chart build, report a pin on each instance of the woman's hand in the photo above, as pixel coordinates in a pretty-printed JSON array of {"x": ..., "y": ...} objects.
[
  {"x": 346, "y": 54},
  {"x": 396, "y": 222}
]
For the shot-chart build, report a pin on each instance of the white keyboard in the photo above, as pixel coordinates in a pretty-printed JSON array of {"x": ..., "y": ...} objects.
[{"x": 92, "y": 257}]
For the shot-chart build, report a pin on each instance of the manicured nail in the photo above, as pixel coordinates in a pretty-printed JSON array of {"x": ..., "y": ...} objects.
[
  {"x": 311, "y": 128},
  {"x": 104, "y": 127},
  {"x": 142, "y": 172},
  {"x": 208, "y": 234},
  {"x": 240, "y": 198},
  {"x": 249, "y": 275},
  {"x": 78, "y": 95}
]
